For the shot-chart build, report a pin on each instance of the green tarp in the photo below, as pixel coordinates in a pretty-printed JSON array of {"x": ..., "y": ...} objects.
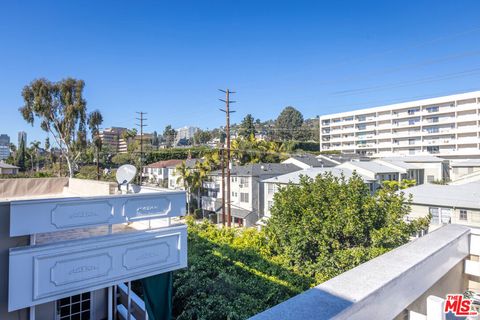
[{"x": 157, "y": 294}]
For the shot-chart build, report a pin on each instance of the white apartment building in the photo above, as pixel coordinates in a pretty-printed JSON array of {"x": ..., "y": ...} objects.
[{"x": 447, "y": 126}]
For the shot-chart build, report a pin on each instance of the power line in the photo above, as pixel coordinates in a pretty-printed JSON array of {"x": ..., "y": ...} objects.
[{"x": 464, "y": 73}]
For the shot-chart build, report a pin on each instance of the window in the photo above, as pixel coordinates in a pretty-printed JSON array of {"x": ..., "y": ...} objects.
[
  {"x": 271, "y": 188},
  {"x": 433, "y": 149},
  {"x": 432, "y": 109},
  {"x": 243, "y": 197},
  {"x": 463, "y": 215},
  {"x": 432, "y": 129},
  {"x": 432, "y": 120},
  {"x": 411, "y": 141},
  {"x": 269, "y": 204},
  {"x": 411, "y": 122},
  {"x": 362, "y": 126},
  {"x": 244, "y": 181},
  {"x": 411, "y": 151},
  {"x": 430, "y": 178},
  {"x": 74, "y": 307},
  {"x": 435, "y": 215},
  {"x": 234, "y": 194},
  {"x": 411, "y": 111}
]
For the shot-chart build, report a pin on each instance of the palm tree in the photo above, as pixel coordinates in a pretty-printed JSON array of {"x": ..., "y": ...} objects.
[
  {"x": 95, "y": 119},
  {"x": 185, "y": 177},
  {"x": 35, "y": 147}
]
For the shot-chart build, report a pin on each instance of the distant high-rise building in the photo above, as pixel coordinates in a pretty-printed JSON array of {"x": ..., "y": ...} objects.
[
  {"x": 446, "y": 126},
  {"x": 112, "y": 137},
  {"x": 22, "y": 135},
  {"x": 185, "y": 133},
  {"x": 4, "y": 146}
]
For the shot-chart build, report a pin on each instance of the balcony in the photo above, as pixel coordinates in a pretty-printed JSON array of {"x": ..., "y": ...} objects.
[
  {"x": 408, "y": 282},
  {"x": 85, "y": 236}
]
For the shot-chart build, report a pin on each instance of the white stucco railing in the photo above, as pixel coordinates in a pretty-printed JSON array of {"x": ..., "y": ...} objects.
[{"x": 384, "y": 287}]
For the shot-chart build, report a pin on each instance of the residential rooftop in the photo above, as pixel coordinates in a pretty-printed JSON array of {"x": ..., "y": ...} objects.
[
  {"x": 294, "y": 177},
  {"x": 461, "y": 196},
  {"x": 413, "y": 158},
  {"x": 261, "y": 169}
]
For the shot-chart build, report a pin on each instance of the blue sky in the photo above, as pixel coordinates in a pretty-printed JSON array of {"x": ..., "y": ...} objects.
[{"x": 168, "y": 58}]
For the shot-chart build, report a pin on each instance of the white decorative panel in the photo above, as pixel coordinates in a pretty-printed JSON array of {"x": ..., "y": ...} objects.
[
  {"x": 43, "y": 273},
  {"x": 51, "y": 215}
]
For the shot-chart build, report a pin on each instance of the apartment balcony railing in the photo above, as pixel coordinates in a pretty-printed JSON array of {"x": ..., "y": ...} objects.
[
  {"x": 96, "y": 239},
  {"x": 467, "y": 106},
  {"x": 409, "y": 282}
]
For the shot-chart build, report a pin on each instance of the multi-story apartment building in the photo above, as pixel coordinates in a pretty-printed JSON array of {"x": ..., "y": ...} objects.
[
  {"x": 185, "y": 133},
  {"x": 447, "y": 126},
  {"x": 4, "y": 146},
  {"x": 246, "y": 191},
  {"x": 112, "y": 137}
]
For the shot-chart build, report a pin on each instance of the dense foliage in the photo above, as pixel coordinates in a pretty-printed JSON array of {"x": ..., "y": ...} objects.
[
  {"x": 230, "y": 275},
  {"x": 318, "y": 229},
  {"x": 327, "y": 225},
  {"x": 176, "y": 153}
]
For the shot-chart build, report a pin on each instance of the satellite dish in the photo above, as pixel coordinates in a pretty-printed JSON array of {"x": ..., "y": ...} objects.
[{"x": 125, "y": 174}]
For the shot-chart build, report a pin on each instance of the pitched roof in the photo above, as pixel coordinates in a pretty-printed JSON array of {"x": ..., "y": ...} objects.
[
  {"x": 313, "y": 161},
  {"x": 294, "y": 177},
  {"x": 465, "y": 163},
  {"x": 165, "y": 163},
  {"x": 462, "y": 196},
  {"x": 4, "y": 165},
  {"x": 374, "y": 167},
  {"x": 261, "y": 169},
  {"x": 409, "y": 158}
]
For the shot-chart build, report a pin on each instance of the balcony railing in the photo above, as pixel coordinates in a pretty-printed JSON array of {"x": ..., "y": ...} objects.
[{"x": 393, "y": 284}]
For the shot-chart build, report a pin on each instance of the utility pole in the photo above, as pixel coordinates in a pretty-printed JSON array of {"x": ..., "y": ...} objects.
[
  {"x": 222, "y": 164},
  {"x": 227, "y": 113},
  {"x": 141, "y": 125}
]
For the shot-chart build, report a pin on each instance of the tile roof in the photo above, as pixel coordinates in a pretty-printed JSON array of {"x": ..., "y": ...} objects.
[{"x": 165, "y": 163}]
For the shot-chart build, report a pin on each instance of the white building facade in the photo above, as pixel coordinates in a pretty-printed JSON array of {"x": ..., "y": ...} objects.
[{"x": 447, "y": 126}]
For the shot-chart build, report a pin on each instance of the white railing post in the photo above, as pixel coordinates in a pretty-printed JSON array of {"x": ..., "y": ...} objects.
[
  {"x": 33, "y": 240},
  {"x": 435, "y": 308}
]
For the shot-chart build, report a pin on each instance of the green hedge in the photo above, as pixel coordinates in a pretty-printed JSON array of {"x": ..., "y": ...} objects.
[{"x": 176, "y": 153}]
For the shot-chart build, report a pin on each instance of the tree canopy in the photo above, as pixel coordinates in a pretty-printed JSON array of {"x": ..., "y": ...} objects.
[
  {"x": 288, "y": 124},
  {"x": 328, "y": 225},
  {"x": 247, "y": 126},
  {"x": 62, "y": 111}
]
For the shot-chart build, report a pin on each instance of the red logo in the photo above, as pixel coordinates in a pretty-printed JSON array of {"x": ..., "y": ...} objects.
[{"x": 459, "y": 305}]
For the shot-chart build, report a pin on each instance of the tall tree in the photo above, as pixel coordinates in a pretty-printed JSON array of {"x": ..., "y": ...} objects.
[
  {"x": 35, "y": 147},
  {"x": 61, "y": 110},
  {"x": 202, "y": 137},
  {"x": 288, "y": 124},
  {"x": 155, "y": 140},
  {"x": 20, "y": 155},
  {"x": 48, "y": 152},
  {"x": 95, "y": 119},
  {"x": 169, "y": 135},
  {"x": 247, "y": 126}
]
